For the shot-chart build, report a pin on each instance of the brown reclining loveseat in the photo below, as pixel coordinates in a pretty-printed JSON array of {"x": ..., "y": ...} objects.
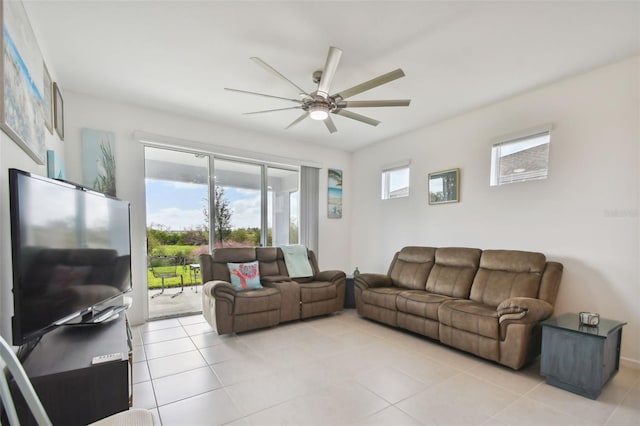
[
  {"x": 489, "y": 303},
  {"x": 281, "y": 299}
]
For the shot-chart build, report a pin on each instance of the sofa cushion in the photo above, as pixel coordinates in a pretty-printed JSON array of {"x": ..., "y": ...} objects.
[
  {"x": 217, "y": 268},
  {"x": 453, "y": 272},
  {"x": 507, "y": 273},
  {"x": 271, "y": 261},
  {"x": 253, "y": 301},
  {"x": 470, "y": 316},
  {"x": 317, "y": 290},
  {"x": 420, "y": 303},
  {"x": 244, "y": 276},
  {"x": 384, "y": 297},
  {"x": 412, "y": 266}
]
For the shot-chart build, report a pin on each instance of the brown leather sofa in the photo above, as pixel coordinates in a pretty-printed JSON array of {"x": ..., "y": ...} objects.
[
  {"x": 281, "y": 299},
  {"x": 489, "y": 303}
]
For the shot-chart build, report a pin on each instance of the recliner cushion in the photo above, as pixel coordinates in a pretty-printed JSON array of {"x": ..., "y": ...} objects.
[
  {"x": 420, "y": 303},
  {"x": 271, "y": 261},
  {"x": 261, "y": 300},
  {"x": 412, "y": 267},
  {"x": 453, "y": 272},
  {"x": 317, "y": 291},
  {"x": 470, "y": 316},
  {"x": 507, "y": 273},
  {"x": 385, "y": 297}
]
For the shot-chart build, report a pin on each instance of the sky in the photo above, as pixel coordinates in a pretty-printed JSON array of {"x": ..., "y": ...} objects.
[{"x": 179, "y": 205}]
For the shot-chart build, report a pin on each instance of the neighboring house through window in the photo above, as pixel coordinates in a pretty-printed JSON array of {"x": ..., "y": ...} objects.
[
  {"x": 522, "y": 157},
  {"x": 395, "y": 181}
]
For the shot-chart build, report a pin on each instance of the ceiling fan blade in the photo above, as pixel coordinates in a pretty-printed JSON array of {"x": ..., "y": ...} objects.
[
  {"x": 297, "y": 120},
  {"x": 263, "y": 94},
  {"x": 329, "y": 71},
  {"x": 368, "y": 85},
  {"x": 269, "y": 68},
  {"x": 354, "y": 116},
  {"x": 329, "y": 123},
  {"x": 271, "y": 110},
  {"x": 375, "y": 104}
]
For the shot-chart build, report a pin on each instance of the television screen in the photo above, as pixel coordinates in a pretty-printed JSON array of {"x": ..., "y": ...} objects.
[{"x": 71, "y": 251}]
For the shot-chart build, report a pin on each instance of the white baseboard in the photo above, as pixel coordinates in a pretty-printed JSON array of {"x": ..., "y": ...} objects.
[{"x": 630, "y": 363}]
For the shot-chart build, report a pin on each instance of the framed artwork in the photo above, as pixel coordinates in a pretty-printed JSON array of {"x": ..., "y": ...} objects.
[
  {"x": 55, "y": 167},
  {"x": 444, "y": 187},
  {"x": 47, "y": 100},
  {"x": 334, "y": 196},
  {"x": 21, "y": 91},
  {"x": 58, "y": 111},
  {"x": 98, "y": 161}
]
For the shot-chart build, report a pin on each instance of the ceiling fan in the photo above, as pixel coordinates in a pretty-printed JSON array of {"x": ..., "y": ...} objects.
[{"x": 319, "y": 104}]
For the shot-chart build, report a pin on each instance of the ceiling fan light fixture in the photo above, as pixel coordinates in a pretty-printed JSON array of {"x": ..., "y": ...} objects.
[{"x": 319, "y": 111}]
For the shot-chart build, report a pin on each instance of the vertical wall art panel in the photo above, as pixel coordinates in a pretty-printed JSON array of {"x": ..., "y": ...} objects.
[
  {"x": 334, "y": 197},
  {"x": 58, "y": 111},
  {"x": 55, "y": 167},
  {"x": 98, "y": 161},
  {"x": 22, "y": 79},
  {"x": 47, "y": 99}
]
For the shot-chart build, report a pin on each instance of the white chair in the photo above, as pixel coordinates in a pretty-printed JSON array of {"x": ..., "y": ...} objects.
[{"x": 8, "y": 359}]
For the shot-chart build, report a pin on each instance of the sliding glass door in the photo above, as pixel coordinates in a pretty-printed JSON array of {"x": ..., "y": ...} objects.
[
  {"x": 177, "y": 190},
  {"x": 282, "y": 206},
  {"x": 197, "y": 202},
  {"x": 237, "y": 218}
]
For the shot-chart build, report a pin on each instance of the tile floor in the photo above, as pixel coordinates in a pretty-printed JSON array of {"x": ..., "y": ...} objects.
[{"x": 344, "y": 370}]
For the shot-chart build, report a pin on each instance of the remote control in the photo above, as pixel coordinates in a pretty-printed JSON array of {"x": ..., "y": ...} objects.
[{"x": 106, "y": 358}]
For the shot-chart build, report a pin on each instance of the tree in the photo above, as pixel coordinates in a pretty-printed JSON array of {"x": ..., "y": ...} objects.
[{"x": 222, "y": 214}]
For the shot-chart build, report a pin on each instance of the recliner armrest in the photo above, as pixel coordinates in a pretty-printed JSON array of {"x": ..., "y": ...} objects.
[
  {"x": 524, "y": 310},
  {"x": 329, "y": 276},
  {"x": 369, "y": 280},
  {"x": 219, "y": 288}
]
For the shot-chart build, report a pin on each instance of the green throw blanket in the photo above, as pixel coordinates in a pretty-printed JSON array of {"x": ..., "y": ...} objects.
[{"x": 297, "y": 261}]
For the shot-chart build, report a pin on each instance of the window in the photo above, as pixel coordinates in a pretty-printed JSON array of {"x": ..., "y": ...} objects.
[
  {"x": 395, "y": 182},
  {"x": 522, "y": 158}
]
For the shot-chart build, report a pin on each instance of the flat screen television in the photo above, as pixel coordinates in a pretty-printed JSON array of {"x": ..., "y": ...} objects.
[{"x": 71, "y": 254}]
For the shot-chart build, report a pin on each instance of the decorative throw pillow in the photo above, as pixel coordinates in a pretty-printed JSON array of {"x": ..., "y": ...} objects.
[{"x": 244, "y": 276}]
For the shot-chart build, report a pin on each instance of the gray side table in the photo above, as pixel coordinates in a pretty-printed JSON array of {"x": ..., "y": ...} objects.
[
  {"x": 349, "y": 296},
  {"x": 577, "y": 358}
]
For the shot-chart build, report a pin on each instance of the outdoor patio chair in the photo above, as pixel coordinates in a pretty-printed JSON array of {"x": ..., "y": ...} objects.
[{"x": 164, "y": 267}]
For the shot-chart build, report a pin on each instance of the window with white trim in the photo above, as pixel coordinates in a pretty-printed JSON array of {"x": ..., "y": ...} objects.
[
  {"x": 521, "y": 158},
  {"x": 395, "y": 182}
]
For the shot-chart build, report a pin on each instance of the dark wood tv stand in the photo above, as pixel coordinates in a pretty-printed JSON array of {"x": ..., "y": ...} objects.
[{"x": 72, "y": 390}]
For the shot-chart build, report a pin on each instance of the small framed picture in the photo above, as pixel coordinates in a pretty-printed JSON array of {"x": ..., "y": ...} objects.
[
  {"x": 444, "y": 187},
  {"x": 58, "y": 111},
  {"x": 47, "y": 99}
]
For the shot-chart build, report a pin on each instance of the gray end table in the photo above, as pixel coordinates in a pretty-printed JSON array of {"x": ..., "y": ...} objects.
[
  {"x": 578, "y": 358},
  {"x": 349, "y": 296}
]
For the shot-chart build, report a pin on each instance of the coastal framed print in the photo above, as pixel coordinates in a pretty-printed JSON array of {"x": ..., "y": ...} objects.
[{"x": 334, "y": 196}]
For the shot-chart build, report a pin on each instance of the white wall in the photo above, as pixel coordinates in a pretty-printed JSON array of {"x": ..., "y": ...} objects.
[
  {"x": 584, "y": 215},
  {"x": 85, "y": 111},
  {"x": 12, "y": 156}
]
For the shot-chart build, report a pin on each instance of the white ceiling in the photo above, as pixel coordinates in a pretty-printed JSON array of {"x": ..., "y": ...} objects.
[{"x": 178, "y": 55}]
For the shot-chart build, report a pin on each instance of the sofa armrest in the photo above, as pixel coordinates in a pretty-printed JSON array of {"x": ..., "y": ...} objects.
[
  {"x": 524, "y": 310},
  {"x": 329, "y": 275},
  {"x": 219, "y": 289},
  {"x": 364, "y": 281}
]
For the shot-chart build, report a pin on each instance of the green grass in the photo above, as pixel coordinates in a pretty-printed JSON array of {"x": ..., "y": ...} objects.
[
  {"x": 174, "y": 250},
  {"x": 156, "y": 283}
]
